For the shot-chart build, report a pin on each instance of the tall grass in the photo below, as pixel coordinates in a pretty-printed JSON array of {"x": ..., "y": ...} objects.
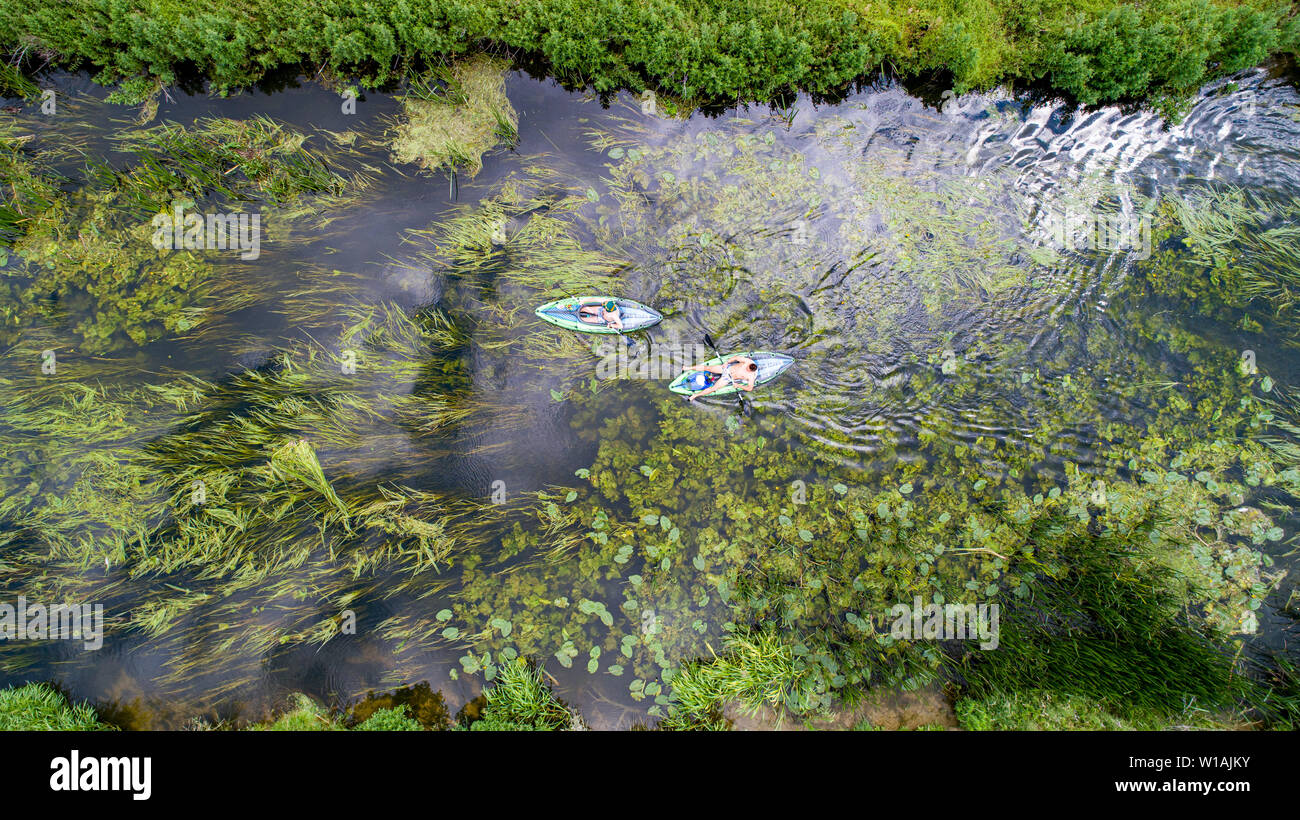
[
  {"x": 757, "y": 668},
  {"x": 519, "y": 699},
  {"x": 1108, "y": 627},
  {"x": 40, "y": 707}
]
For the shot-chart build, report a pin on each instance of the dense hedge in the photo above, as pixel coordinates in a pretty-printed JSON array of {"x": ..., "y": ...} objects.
[{"x": 1094, "y": 50}]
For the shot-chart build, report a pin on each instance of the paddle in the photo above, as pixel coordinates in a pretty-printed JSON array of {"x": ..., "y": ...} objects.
[{"x": 708, "y": 340}]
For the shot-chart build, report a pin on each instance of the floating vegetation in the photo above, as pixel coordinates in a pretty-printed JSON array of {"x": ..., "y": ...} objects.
[
  {"x": 239, "y": 159},
  {"x": 453, "y": 117},
  {"x": 525, "y": 235},
  {"x": 93, "y": 263}
]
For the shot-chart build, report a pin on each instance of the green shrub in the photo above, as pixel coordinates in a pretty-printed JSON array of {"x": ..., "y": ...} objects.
[
  {"x": 710, "y": 50},
  {"x": 393, "y": 719}
]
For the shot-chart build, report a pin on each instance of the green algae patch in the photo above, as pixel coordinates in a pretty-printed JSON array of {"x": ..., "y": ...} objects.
[{"x": 456, "y": 116}]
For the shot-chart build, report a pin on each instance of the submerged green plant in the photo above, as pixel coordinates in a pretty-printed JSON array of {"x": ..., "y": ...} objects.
[
  {"x": 666, "y": 546},
  {"x": 1045, "y": 710},
  {"x": 91, "y": 259},
  {"x": 455, "y": 116},
  {"x": 1238, "y": 256},
  {"x": 240, "y": 159},
  {"x": 1109, "y": 626}
]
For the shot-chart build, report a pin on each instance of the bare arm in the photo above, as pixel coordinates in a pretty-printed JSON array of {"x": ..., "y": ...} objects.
[{"x": 705, "y": 391}]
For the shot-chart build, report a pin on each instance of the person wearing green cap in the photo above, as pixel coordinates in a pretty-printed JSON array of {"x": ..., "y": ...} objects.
[{"x": 598, "y": 311}]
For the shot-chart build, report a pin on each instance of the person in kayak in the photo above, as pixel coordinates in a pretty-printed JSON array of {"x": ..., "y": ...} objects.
[
  {"x": 740, "y": 371},
  {"x": 606, "y": 313}
]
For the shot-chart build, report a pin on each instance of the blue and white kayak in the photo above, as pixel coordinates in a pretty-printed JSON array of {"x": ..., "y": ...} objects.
[
  {"x": 564, "y": 312},
  {"x": 770, "y": 365}
]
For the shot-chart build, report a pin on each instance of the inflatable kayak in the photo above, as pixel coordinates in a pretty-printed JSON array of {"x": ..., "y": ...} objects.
[
  {"x": 770, "y": 365},
  {"x": 564, "y": 312}
]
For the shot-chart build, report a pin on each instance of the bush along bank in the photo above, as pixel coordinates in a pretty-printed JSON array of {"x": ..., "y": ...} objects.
[{"x": 702, "y": 51}]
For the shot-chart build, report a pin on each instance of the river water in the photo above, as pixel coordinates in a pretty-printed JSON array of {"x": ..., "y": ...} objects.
[{"x": 930, "y": 264}]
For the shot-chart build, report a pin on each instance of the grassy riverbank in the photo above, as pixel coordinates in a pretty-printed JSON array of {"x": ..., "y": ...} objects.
[
  {"x": 699, "y": 50},
  {"x": 519, "y": 701}
]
